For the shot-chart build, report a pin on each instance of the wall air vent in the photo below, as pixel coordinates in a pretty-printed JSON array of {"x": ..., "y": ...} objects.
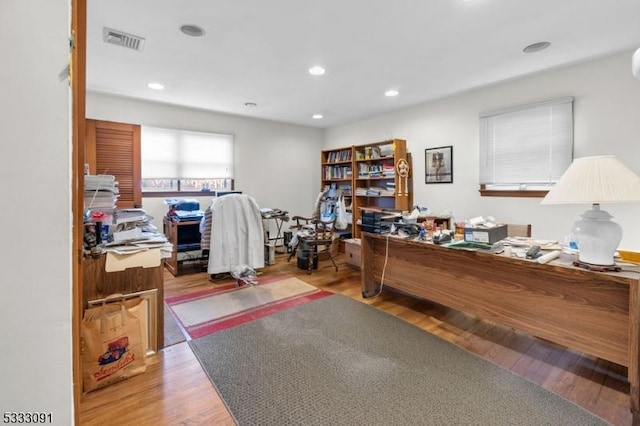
[{"x": 120, "y": 38}]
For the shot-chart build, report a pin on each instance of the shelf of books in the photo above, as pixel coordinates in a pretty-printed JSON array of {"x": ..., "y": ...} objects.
[
  {"x": 382, "y": 179},
  {"x": 337, "y": 173}
]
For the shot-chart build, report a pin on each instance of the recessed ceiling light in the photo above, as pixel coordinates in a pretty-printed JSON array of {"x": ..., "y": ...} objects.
[
  {"x": 317, "y": 116},
  {"x": 155, "y": 86},
  {"x": 317, "y": 70},
  {"x": 536, "y": 47},
  {"x": 192, "y": 30},
  {"x": 250, "y": 104},
  {"x": 391, "y": 93}
]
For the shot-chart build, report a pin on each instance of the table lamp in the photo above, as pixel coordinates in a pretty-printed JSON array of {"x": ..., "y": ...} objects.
[{"x": 596, "y": 180}]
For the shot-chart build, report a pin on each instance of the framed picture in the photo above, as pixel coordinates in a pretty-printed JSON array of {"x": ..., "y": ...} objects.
[{"x": 438, "y": 164}]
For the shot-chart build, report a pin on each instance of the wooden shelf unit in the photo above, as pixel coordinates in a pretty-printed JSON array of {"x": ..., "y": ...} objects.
[
  {"x": 345, "y": 169},
  {"x": 337, "y": 170},
  {"x": 175, "y": 231},
  {"x": 376, "y": 166}
]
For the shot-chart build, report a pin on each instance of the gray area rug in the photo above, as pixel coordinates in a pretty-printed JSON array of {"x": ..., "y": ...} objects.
[
  {"x": 172, "y": 333},
  {"x": 337, "y": 361}
]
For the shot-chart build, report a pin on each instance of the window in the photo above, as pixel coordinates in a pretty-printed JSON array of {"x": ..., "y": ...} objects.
[
  {"x": 185, "y": 161},
  {"x": 524, "y": 150}
]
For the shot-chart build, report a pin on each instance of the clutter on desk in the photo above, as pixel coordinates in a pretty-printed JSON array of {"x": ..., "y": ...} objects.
[
  {"x": 497, "y": 247},
  {"x": 379, "y": 221},
  {"x": 441, "y": 238},
  {"x": 183, "y": 209},
  {"x": 488, "y": 235},
  {"x": 123, "y": 231},
  {"x": 268, "y": 213},
  {"x": 629, "y": 256}
]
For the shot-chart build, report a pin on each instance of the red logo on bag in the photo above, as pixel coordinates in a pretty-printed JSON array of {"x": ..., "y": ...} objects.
[
  {"x": 127, "y": 359},
  {"x": 115, "y": 358},
  {"x": 115, "y": 350}
]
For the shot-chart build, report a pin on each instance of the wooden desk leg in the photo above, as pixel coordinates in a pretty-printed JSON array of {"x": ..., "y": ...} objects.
[
  {"x": 634, "y": 347},
  {"x": 369, "y": 287}
]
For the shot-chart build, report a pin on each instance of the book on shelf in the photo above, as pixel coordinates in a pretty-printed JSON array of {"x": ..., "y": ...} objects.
[
  {"x": 337, "y": 172},
  {"x": 340, "y": 156}
]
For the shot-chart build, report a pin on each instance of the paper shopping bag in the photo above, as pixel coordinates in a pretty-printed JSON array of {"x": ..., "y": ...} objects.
[{"x": 112, "y": 348}]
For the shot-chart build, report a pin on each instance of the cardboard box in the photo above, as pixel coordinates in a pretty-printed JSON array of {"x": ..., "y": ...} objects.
[{"x": 485, "y": 235}]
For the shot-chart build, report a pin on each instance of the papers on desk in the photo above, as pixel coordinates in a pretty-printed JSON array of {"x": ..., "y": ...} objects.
[
  {"x": 268, "y": 213},
  {"x": 121, "y": 261},
  {"x": 186, "y": 215},
  {"x": 130, "y": 215},
  {"x": 475, "y": 246},
  {"x": 528, "y": 242},
  {"x": 146, "y": 241}
]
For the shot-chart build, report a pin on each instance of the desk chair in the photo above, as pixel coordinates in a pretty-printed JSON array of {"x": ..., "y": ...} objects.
[
  {"x": 515, "y": 230},
  {"x": 316, "y": 235}
]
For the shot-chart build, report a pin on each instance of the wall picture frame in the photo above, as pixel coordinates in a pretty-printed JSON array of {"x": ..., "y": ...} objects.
[{"x": 438, "y": 164}]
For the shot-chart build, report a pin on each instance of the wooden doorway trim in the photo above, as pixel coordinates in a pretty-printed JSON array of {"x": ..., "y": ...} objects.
[{"x": 77, "y": 80}]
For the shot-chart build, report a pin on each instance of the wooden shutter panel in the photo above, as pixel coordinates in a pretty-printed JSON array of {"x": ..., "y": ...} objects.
[{"x": 114, "y": 149}]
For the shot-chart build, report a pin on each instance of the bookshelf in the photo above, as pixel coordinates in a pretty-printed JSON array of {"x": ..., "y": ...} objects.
[
  {"x": 370, "y": 177},
  {"x": 337, "y": 171},
  {"x": 381, "y": 179}
]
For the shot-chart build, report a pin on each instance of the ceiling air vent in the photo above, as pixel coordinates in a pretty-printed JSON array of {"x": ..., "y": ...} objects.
[{"x": 120, "y": 38}]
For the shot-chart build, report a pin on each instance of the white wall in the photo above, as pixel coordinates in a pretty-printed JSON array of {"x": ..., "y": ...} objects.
[
  {"x": 277, "y": 164},
  {"x": 36, "y": 367},
  {"x": 607, "y": 121}
]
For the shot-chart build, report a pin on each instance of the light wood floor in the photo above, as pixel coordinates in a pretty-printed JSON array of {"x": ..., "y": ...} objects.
[{"x": 175, "y": 390}]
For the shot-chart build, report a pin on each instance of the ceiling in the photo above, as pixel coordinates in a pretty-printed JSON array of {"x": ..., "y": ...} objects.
[{"x": 257, "y": 51}]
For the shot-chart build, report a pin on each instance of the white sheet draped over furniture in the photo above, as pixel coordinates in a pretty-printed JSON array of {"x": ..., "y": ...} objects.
[{"x": 232, "y": 227}]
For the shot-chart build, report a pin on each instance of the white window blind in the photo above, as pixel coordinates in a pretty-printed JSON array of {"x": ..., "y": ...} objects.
[
  {"x": 527, "y": 147},
  {"x": 182, "y": 154}
]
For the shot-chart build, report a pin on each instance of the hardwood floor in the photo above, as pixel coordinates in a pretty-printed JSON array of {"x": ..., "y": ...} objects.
[{"x": 175, "y": 390}]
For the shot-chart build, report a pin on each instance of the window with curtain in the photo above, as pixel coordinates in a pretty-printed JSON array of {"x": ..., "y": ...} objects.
[
  {"x": 184, "y": 161},
  {"x": 524, "y": 150}
]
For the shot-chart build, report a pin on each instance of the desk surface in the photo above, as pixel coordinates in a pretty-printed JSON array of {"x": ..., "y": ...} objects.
[{"x": 596, "y": 313}]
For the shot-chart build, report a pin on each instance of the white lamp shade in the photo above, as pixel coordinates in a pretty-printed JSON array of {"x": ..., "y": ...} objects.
[
  {"x": 635, "y": 64},
  {"x": 595, "y": 180}
]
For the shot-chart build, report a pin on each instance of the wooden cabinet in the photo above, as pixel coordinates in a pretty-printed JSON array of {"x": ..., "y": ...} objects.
[
  {"x": 185, "y": 236},
  {"x": 99, "y": 284},
  {"x": 381, "y": 178}
]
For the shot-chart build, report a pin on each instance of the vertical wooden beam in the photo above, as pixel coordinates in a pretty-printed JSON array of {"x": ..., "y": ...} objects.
[{"x": 78, "y": 93}]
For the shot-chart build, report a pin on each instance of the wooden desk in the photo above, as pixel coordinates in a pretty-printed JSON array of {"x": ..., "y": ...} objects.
[
  {"x": 98, "y": 284},
  {"x": 596, "y": 313},
  {"x": 179, "y": 233}
]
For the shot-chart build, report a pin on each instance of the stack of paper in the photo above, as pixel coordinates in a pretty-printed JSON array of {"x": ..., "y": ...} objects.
[
  {"x": 100, "y": 193},
  {"x": 130, "y": 215}
]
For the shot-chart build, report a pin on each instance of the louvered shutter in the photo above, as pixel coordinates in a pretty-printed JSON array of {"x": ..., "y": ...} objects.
[{"x": 114, "y": 149}]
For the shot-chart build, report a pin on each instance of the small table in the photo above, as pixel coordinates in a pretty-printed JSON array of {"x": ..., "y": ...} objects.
[{"x": 279, "y": 219}]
